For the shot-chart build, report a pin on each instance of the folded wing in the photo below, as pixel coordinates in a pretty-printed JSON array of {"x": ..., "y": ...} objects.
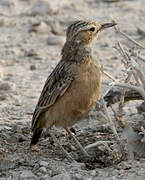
[{"x": 55, "y": 86}]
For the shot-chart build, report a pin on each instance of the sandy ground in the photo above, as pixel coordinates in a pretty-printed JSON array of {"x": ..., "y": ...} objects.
[{"x": 32, "y": 33}]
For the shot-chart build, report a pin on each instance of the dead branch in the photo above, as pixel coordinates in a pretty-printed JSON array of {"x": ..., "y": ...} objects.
[
  {"x": 113, "y": 96},
  {"x": 99, "y": 143}
]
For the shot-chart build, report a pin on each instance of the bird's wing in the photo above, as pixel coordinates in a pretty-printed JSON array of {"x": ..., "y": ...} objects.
[{"x": 55, "y": 86}]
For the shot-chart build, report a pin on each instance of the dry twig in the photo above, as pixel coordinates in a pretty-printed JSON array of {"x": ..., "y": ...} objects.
[
  {"x": 129, "y": 38},
  {"x": 133, "y": 69}
]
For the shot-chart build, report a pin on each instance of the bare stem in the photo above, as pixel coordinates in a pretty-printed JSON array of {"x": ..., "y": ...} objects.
[
  {"x": 110, "y": 120},
  {"x": 129, "y": 38}
]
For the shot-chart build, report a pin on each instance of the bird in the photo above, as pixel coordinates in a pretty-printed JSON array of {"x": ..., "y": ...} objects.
[{"x": 73, "y": 87}]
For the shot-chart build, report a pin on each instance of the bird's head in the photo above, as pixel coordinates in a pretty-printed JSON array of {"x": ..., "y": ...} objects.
[{"x": 83, "y": 32}]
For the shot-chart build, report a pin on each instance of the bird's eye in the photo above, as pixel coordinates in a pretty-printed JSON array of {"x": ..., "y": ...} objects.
[{"x": 92, "y": 29}]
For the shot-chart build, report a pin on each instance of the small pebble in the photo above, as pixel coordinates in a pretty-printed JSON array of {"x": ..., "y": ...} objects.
[
  {"x": 39, "y": 174},
  {"x": 33, "y": 52},
  {"x": 6, "y": 164},
  {"x": 56, "y": 29},
  {"x": 4, "y": 22},
  {"x": 39, "y": 27},
  {"x": 43, "y": 163},
  {"x": 93, "y": 173},
  {"x": 5, "y": 86},
  {"x": 33, "y": 67},
  {"x": 10, "y": 178},
  {"x": 43, "y": 170},
  {"x": 87, "y": 178},
  {"x": 78, "y": 176},
  {"x": 3, "y": 97},
  {"x": 46, "y": 177},
  {"x": 55, "y": 40},
  {"x": 64, "y": 176},
  {"x": 26, "y": 174},
  {"x": 36, "y": 167},
  {"x": 15, "y": 176},
  {"x": 13, "y": 138},
  {"x": 17, "y": 128},
  {"x": 141, "y": 107},
  {"x": 22, "y": 138}
]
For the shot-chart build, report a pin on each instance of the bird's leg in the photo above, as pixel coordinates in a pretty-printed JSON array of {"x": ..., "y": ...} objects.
[
  {"x": 77, "y": 142},
  {"x": 34, "y": 140},
  {"x": 60, "y": 146}
]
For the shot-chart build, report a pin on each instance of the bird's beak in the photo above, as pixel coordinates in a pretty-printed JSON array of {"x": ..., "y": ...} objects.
[{"x": 107, "y": 25}]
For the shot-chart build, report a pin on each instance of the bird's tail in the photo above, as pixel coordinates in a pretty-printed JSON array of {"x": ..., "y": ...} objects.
[{"x": 36, "y": 136}]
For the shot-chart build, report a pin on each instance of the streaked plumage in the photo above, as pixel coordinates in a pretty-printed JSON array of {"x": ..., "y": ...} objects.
[{"x": 73, "y": 86}]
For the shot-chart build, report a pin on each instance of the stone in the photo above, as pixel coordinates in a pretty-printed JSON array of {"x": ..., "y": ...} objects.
[
  {"x": 1, "y": 72},
  {"x": 55, "y": 40},
  {"x": 43, "y": 163},
  {"x": 3, "y": 97},
  {"x": 93, "y": 173},
  {"x": 33, "y": 67},
  {"x": 6, "y": 86},
  {"x": 33, "y": 52},
  {"x": 6, "y": 164},
  {"x": 46, "y": 177},
  {"x": 26, "y": 174},
  {"x": 141, "y": 108},
  {"x": 78, "y": 176},
  {"x": 40, "y": 27},
  {"x": 64, "y": 176},
  {"x": 39, "y": 174},
  {"x": 10, "y": 178},
  {"x": 36, "y": 167},
  {"x": 43, "y": 170},
  {"x": 22, "y": 138},
  {"x": 17, "y": 128}
]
